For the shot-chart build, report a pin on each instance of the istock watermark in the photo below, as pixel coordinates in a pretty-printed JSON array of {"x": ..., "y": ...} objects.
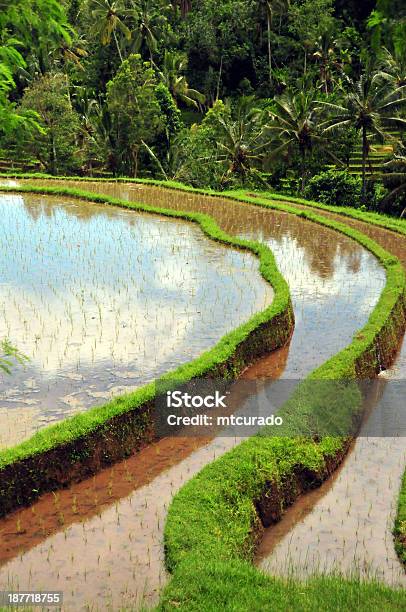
[
  {"x": 280, "y": 407},
  {"x": 177, "y": 399},
  {"x": 234, "y": 420},
  {"x": 208, "y": 407}
]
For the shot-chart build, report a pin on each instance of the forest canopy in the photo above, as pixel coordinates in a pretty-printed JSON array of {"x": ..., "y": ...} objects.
[{"x": 274, "y": 94}]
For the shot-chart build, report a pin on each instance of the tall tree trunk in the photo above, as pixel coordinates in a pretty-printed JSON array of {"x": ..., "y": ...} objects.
[
  {"x": 364, "y": 164},
  {"x": 325, "y": 78},
  {"x": 219, "y": 78},
  {"x": 184, "y": 7},
  {"x": 118, "y": 47},
  {"x": 54, "y": 167},
  {"x": 303, "y": 180},
  {"x": 269, "y": 46},
  {"x": 68, "y": 89},
  {"x": 135, "y": 152}
]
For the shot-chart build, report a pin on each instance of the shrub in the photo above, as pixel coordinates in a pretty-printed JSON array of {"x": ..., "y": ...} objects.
[{"x": 335, "y": 188}]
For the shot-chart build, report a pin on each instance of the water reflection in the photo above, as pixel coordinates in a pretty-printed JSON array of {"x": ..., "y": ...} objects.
[
  {"x": 334, "y": 282},
  {"x": 103, "y": 300}
]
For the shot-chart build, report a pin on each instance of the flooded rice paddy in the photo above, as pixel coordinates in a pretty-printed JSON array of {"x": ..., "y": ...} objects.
[
  {"x": 345, "y": 527},
  {"x": 334, "y": 282},
  {"x": 103, "y": 300},
  {"x": 116, "y": 519}
]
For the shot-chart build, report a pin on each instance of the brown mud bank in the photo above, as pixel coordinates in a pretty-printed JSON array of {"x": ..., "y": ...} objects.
[{"x": 277, "y": 497}]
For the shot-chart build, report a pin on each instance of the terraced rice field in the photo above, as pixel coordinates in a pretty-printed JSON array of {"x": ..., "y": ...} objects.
[{"x": 115, "y": 520}]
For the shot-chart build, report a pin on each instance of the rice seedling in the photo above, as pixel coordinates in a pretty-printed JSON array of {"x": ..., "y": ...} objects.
[{"x": 88, "y": 291}]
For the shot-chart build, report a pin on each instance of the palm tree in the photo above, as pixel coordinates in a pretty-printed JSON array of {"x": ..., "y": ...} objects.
[
  {"x": 241, "y": 137},
  {"x": 108, "y": 18},
  {"x": 325, "y": 54},
  {"x": 393, "y": 67},
  {"x": 370, "y": 106},
  {"x": 294, "y": 122},
  {"x": 94, "y": 138},
  {"x": 150, "y": 16},
  {"x": 174, "y": 65}
]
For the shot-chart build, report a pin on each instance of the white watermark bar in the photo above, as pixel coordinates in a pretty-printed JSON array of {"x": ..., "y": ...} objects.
[
  {"x": 31, "y": 599},
  {"x": 281, "y": 407}
]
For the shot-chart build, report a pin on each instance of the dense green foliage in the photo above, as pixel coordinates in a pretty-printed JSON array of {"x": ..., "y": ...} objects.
[
  {"x": 213, "y": 94},
  {"x": 332, "y": 188},
  {"x": 57, "y": 146},
  {"x": 136, "y": 116},
  {"x": 28, "y": 43}
]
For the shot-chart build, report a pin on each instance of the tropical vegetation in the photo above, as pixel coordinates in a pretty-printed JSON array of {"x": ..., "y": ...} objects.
[{"x": 232, "y": 94}]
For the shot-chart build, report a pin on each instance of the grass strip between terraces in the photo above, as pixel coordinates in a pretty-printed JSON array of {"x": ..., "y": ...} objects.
[
  {"x": 236, "y": 586},
  {"x": 374, "y": 218},
  {"x": 400, "y": 523},
  {"x": 82, "y": 424}
]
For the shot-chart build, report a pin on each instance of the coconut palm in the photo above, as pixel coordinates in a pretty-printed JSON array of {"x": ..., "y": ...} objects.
[
  {"x": 295, "y": 123},
  {"x": 393, "y": 67},
  {"x": 151, "y": 19},
  {"x": 72, "y": 52},
  {"x": 172, "y": 75},
  {"x": 241, "y": 137},
  {"x": 370, "y": 105},
  {"x": 326, "y": 56},
  {"x": 109, "y": 18}
]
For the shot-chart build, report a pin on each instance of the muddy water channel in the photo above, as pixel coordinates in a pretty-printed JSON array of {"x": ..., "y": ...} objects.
[
  {"x": 101, "y": 541},
  {"x": 103, "y": 300}
]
